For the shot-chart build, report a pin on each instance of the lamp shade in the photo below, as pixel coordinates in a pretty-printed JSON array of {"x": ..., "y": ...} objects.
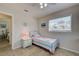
[{"x": 25, "y": 34}]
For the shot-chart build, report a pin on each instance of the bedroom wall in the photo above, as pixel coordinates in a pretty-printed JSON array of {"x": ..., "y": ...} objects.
[
  {"x": 68, "y": 40},
  {"x": 17, "y": 24}
]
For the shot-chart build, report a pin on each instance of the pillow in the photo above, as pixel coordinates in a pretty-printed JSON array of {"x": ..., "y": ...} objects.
[{"x": 34, "y": 34}]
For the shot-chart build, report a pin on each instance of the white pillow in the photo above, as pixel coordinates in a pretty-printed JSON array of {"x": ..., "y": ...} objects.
[{"x": 34, "y": 34}]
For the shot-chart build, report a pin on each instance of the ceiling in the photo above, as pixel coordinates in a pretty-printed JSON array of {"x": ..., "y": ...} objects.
[{"x": 34, "y": 8}]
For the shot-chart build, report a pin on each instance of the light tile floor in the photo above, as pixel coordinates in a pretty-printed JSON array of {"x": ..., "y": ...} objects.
[{"x": 5, "y": 50}]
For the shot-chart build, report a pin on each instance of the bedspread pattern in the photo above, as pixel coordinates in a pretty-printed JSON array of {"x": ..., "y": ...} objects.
[{"x": 48, "y": 43}]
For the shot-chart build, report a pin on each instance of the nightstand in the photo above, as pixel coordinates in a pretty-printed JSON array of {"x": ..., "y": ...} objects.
[{"x": 26, "y": 43}]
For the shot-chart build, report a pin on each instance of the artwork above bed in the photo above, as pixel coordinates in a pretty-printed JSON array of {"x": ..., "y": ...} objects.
[{"x": 43, "y": 25}]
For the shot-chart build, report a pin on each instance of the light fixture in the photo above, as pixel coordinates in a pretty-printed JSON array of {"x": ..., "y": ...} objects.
[
  {"x": 45, "y": 5},
  {"x": 42, "y": 5}
]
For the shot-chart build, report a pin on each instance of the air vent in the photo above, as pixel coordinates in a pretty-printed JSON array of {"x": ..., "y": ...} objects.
[{"x": 25, "y": 10}]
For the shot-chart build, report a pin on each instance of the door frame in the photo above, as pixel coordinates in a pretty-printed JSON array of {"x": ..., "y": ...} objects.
[{"x": 7, "y": 13}]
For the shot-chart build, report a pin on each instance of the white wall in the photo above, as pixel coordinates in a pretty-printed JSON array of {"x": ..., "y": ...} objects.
[
  {"x": 68, "y": 40},
  {"x": 17, "y": 23}
]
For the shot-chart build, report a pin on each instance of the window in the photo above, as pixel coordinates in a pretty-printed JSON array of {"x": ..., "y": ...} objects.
[{"x": 62, "y": 24}]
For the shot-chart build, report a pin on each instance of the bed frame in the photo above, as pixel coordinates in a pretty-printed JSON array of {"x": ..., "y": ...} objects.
[{"x": 50, "y": 47}]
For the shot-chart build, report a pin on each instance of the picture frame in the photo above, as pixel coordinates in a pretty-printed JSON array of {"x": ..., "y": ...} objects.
[
  {"x": 3, "y": 24},
  {"x": 43, "y": 25}
]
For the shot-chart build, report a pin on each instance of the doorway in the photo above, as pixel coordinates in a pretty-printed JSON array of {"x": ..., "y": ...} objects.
[{"x": 5, "y": 30}]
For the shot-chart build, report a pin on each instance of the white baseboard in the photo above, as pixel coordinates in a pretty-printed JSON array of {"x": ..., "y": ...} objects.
[{"x": 69, "y": 50}]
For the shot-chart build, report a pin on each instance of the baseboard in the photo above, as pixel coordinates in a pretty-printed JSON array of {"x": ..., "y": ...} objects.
[
  {"x": 70, "y": 50},
  {"x": 16, "y": 47}
]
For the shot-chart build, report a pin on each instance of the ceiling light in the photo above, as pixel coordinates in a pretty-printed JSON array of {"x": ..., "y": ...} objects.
[
  {"x": 45, "y": 5},
  {"x": 42, "y": 5}
]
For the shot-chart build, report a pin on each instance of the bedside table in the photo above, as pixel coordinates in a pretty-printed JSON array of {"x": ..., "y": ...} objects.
[{"x": 26, "y": 43}]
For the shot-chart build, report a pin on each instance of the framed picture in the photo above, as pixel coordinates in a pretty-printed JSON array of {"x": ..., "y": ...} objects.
[
  {"x": 3, "y": 24},
  {"x": 43, "y": 24}
]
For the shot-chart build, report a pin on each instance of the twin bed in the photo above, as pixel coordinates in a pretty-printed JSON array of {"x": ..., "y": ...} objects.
[{"x": 48, "y": 43}]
